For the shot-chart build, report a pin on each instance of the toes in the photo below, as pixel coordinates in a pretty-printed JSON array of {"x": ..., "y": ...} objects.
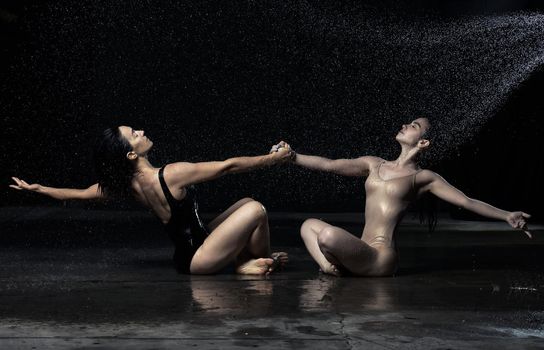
[
  {"x": 267, "y": 261},
  {"x": 270, "y": 265}
]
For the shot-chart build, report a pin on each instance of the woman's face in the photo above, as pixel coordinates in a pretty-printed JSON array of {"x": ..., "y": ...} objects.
[
  {"x": 413, "y": 132},
  {"x": 136, "y": 138}
]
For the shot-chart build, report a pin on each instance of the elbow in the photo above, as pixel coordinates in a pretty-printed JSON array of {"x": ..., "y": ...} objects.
[
  {"x": 466, "y": 203},
  {"x": 228, "y": 166}
]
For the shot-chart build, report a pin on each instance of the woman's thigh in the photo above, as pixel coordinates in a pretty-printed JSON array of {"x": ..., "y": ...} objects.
[
  {"x": 311, "y": 227},
  {"x": 349, "y": 251},
  {"x": 228, "y": 239},
  {"x": 212, "y": 225}
]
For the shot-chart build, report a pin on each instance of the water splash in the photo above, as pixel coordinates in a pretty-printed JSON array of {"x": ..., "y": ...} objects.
[
  {"x": 458, "y": 71},
  {"x": 210, "y": 81}
]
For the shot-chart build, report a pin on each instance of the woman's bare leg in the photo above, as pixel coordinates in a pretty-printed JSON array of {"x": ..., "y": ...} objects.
[
  {"x": 342, "y": 248},
  {"x": 333, "y": 247},
  {"x": 309, "y": 231},
  {"x": 212, "y": 225},
  {"x": 259, "y": 244},
  {"x": 241, "y": 236}
]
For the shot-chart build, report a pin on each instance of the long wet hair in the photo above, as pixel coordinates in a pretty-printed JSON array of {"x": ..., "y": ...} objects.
[
  {"x": 113, "y": 169},
  {"x": 427, "y": 205}
]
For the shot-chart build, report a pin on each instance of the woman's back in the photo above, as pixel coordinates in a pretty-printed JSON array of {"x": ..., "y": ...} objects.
[{"x": 149, "y": 191}]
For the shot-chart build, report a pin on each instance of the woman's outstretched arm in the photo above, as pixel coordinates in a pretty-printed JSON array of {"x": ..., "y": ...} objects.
[
  {"x": 92, "y": 192},
  {"x": 347, "y": 167},
  {"x": 436, "y": 184},
  {"x": 183, "y": 174}
]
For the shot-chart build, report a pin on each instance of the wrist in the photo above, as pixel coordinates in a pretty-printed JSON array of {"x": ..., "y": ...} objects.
[{"x": 272, "y": 158}]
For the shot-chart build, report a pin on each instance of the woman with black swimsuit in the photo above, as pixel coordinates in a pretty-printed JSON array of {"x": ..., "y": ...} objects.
[{"x": 240, "y": 235}]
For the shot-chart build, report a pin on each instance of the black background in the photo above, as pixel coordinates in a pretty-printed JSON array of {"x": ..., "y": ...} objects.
[{"x": 212, "y": 80}]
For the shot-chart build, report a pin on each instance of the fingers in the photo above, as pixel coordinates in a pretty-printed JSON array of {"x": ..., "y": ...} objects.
[
  {"x": 282, "y": 144},
  {"x": 21, "y": 185},
  {"x": 282, "y": 257},
  {"x": 278, "y": 146},
  {"x": 285, "y": 151},
  {"x": 522, "y": 225},
  {"x": 517, "y": 220}
]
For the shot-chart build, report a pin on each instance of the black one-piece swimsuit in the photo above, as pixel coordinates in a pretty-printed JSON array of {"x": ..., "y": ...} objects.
[{"x": 185, "y": 227}]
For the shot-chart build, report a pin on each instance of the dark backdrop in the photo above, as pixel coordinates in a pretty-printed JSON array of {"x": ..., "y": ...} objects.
[{"x": 212, "y": 80}]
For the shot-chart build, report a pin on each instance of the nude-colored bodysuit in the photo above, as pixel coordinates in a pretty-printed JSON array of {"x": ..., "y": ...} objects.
[{"x": 386, "y": 202}]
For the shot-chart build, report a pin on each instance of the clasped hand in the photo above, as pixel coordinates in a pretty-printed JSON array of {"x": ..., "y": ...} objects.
[{"x": 283, "y": 148}]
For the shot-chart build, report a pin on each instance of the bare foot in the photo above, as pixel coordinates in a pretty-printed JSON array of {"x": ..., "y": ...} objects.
[
  {"x": 331, "y": 270},
  {"x": 259, "y": 266}
]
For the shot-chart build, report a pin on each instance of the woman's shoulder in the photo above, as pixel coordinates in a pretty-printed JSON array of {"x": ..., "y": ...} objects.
[
  {"x": 372, "y": 160},
  {"x": 175, "y": 168},
  {"x": 427, "y": 176}
]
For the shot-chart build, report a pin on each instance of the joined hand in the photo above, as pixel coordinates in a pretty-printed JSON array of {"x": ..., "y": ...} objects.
[{"x": 283, "y": 146}]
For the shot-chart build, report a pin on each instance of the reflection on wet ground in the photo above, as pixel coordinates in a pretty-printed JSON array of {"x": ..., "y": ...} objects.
[{"x": 463, "y": 294}]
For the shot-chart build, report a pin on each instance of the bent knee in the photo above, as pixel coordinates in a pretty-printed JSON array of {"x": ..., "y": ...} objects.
[
  {"x": 245, "y": 200},
  {"x": 327, "y": 238},
  {"x": 310, "y": 226},
  {"x": 255, "y": 209}
]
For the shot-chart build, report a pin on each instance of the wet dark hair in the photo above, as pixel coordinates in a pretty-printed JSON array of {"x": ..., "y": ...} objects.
[
  {"x": 430, "y": 134},
  {"x": 113, "y": 169},
  {"x": 427, "y": 205}
]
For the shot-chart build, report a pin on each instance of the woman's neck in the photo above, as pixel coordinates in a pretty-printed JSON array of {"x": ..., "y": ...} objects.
[
  {"x": 143, "y": 165},
  {"x": 407, "y": 158}
]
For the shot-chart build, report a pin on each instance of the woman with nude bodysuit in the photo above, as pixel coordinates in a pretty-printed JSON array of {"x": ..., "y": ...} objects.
[{"x": 390, "y": 187}]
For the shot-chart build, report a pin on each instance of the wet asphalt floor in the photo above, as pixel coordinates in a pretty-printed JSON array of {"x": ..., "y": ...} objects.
[{"x": 66, "y": 281}]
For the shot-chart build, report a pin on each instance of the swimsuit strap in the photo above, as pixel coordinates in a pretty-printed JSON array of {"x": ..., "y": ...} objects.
[
  {"x": 378, "y": 167},
  {"x": 165, "y": 190}
]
